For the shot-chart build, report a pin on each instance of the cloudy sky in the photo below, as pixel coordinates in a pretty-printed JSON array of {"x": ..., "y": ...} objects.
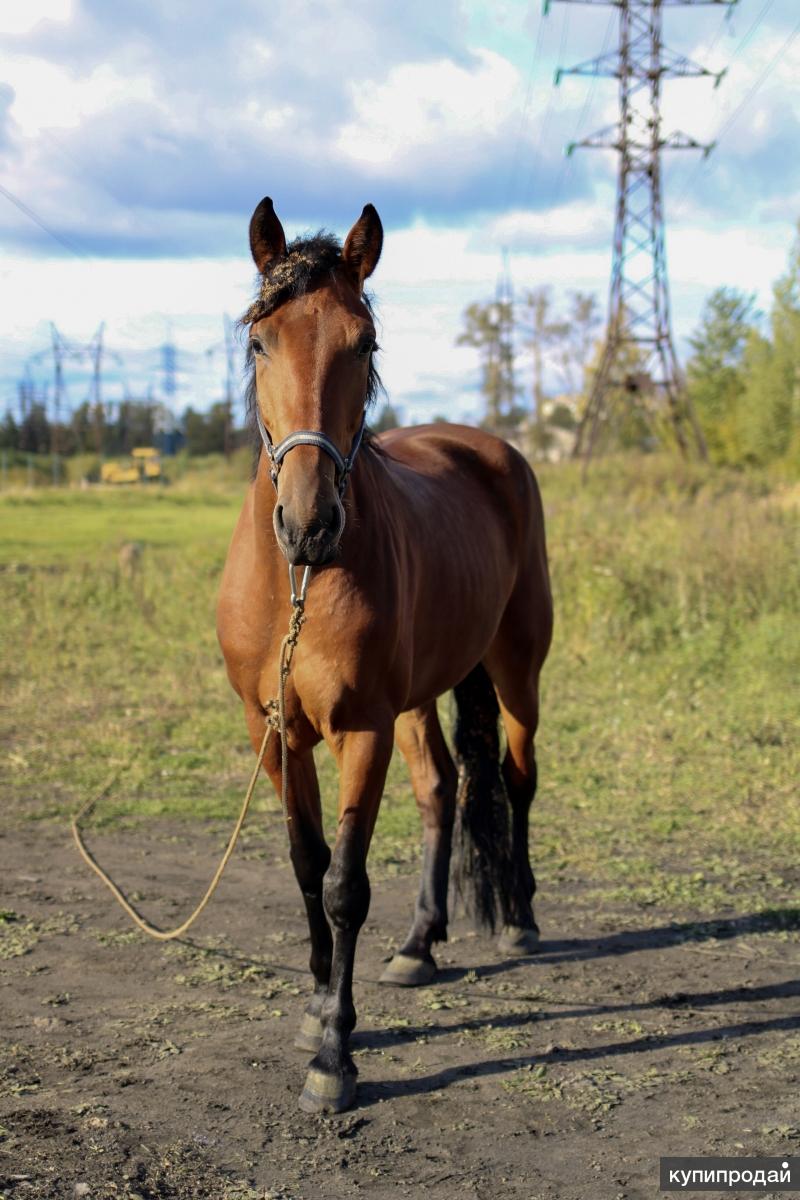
[{"x": 141, "y": 135}]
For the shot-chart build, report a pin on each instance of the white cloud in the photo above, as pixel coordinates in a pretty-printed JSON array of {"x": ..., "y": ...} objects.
[
  {"x": 18, "y": 17},
  {"x": 425, "y": 279},
  {"x": 134, "y": 132},
  {"x": 47, "y": 96},
  {"x": 696, "y": 107},
  {"x": 579, "y": 223},
  {"x": 749, "y": 257},
  {"x": 431, "y": 109}
]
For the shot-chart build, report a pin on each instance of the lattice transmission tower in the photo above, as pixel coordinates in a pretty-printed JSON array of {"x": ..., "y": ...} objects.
[{"x": 638, "y": 359}]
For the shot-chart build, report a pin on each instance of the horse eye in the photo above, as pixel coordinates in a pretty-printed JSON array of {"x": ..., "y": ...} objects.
[
  {"x": 257, "y": 346},
  {"x": 366, "y": 346}
]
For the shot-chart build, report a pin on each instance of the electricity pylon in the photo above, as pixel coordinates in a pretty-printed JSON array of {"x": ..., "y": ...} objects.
[
  {"x": 229, "y": 347},
  {"x": 639, "y": 359}
]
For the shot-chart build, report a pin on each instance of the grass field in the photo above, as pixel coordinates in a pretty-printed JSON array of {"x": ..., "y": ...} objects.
[
  {"x": 660, "y": 1014},
  {"x": 668, "y": 750}
]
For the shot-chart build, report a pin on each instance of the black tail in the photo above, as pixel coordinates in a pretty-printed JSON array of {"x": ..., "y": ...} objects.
[{"x": 484, "y": 872}]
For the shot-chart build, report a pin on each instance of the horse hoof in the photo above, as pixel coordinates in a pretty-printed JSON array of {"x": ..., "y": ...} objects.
[
  {"x": 405, "y": 971},
  {"x": 327, "y": 1093},
  {"x": 516, "y": 941},
  {"x": 309, "y": 1035}
]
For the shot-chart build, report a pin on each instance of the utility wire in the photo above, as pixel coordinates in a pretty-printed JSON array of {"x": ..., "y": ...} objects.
[
  {"x": 567, "y": 166},
  {"x": 761, "y": 79},
  {"x": 733, "y": 117},
  {"x": 745, "y": 40},
  {"x": 524, "y": 114},
  {"x": 37, "y": 220},
  {"x": 752, "y": 29},
  {"x": 549, "y": 110}
]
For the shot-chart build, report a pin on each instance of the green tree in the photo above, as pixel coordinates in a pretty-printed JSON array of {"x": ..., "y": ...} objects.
[
  {"x": 9, "y": 432},
  {"x": 81, "y": 427},
  {"x": 205, "y": 432},
  {"x": 771, "y": 404},
  {"x": 387, "y": 418},
  {"x": 489, "y": 328},
  {"x": 574, "y": 337},
  {"x": 540, "y": 330},
  {"x": 716, "y": 373},
  {"x": 34, "y": 430},
  {"x": 133, "y": 425}
]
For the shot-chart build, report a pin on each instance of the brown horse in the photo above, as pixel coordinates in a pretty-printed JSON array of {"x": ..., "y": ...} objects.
[{"x": 435, "y": 578}]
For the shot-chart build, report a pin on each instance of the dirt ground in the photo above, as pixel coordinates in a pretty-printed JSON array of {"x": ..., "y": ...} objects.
[{"x": 133, "y": 1069}]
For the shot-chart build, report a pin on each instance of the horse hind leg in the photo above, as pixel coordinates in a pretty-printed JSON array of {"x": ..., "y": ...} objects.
[
  {"x": 518, "y": 696},
  {"x": 493, "y": 867},
  {"x": 433, "y": 777},
  {"x": 521, "y": 933}
]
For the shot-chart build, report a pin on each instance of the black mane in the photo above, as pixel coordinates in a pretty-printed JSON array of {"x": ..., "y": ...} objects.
[{"x": 307, "y": 262}]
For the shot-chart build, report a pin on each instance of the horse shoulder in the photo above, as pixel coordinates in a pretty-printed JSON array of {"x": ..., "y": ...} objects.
[{"x": 244, "y": 606}]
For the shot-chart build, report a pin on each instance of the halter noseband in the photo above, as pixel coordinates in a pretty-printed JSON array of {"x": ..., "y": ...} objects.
[{"x": 309, "y": 437}]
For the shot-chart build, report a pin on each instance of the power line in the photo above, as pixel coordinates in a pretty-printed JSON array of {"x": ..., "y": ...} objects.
[
  {"x": 37, "y": 220},
  {"x": 744, "y": 41},
  {"x": 751, "y": 31},
  {"x": 543, "y": 127},
  {"x": 759, "y": 82},
  {"x": 733, "y": 117},
  {"x": 721, "y": 29},
  {"x": 566, "y": 165},
  {"x": 524, "y": 114}
]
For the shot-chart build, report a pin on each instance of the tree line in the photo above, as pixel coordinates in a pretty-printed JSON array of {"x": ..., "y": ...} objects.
[
  {"x": 742, "y": 376},
  {"x": 501, "y": 327},
  {"x": 113, "y": 432}
]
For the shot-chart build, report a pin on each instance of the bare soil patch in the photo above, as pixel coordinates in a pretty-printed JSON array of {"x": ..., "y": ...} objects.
[{"x": 131, "y": 1069}]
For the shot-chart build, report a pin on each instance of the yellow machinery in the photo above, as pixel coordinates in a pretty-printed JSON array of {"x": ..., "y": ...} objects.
[{"x": 143, "y": 466}]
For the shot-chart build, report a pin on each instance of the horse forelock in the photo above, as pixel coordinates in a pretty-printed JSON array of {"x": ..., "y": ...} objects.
[{"x": 306, "y": 263}]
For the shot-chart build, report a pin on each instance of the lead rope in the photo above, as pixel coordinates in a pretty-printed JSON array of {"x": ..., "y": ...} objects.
[{"x": 275, "y": 716}]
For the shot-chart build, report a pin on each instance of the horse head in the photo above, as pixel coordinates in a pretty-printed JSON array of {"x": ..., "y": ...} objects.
[{"x": 312, "y": 337}]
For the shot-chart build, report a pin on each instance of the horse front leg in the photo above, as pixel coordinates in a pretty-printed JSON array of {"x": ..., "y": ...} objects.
[
  {"x": 310, "y": 857},
  {"x": 434, "y": 779},
  {"x": 363, "y": 758}
]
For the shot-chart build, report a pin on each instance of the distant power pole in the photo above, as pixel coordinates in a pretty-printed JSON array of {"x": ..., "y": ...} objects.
[
  {"x": 26, "y": 392},
  {"x": 639, "y": 358},
  {"x": 95, "y": 351},
  {"x": 60, "y": 352},
  {"x": 503, "y": 315},
  {"x": 230, "y": 370},
  {"x": 96, "y": 411},
  {"x": 169, "y": 365},
  {"x": 229, "y": 348}
]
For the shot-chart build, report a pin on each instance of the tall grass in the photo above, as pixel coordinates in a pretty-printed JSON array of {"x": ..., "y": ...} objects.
[
  {"x": 668, "y": 748},
  {"x": 644, "y": 560}
]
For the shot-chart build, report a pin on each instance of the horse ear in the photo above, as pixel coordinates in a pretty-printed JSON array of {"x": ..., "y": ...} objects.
[
  {"x": 267, "y": 239},
  {"x": 362, "y": 249}
]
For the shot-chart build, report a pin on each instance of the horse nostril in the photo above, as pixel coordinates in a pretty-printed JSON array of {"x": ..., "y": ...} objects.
[
  {"x": 334, "y": 522},
  {"x": 325, "y": 526}
]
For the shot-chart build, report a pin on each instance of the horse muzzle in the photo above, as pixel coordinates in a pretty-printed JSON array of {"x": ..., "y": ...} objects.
[{"x": 309, "y": 543}]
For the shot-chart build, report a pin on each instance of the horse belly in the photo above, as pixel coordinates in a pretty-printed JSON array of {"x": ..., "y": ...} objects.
[{"x": 458, "y": 607}]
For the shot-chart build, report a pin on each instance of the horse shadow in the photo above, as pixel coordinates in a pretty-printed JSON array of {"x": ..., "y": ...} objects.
[
  {"x": 582, "y": 949},
  {"x": 373, "y": 1092},
  {"x": 631, "y": 941},
  {"x": 572, "y": 950}
]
